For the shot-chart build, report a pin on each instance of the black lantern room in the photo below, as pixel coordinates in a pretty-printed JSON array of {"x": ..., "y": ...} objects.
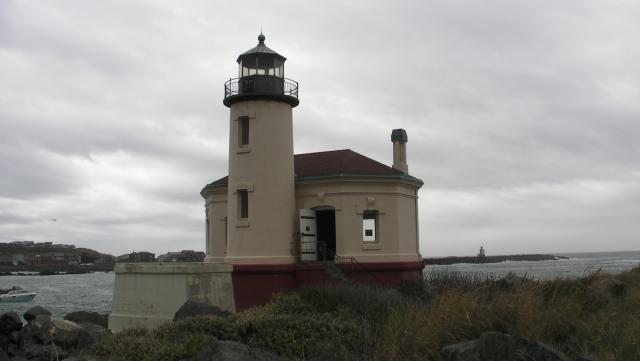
[{"x": 261, "y": 76}]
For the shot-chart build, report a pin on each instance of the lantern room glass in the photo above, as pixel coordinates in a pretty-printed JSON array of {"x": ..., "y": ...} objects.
[{"x": 261, "y": 65}]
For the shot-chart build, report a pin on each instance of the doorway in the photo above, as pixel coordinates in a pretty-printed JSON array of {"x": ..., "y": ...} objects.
[{"x": 326, "y": 233}]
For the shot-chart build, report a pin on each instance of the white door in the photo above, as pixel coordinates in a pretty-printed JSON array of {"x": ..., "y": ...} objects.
[{"x": 308, "y": 235}]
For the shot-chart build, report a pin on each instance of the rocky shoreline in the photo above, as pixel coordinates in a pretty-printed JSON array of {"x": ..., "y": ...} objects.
[{"x": 44, "y": 337}]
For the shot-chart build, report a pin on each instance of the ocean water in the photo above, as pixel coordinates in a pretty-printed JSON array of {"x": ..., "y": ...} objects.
[
  {"x": 578, "y": 265},
  {"x": 61, "y": 294}
]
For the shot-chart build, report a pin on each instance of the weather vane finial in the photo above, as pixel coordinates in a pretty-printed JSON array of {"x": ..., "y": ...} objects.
[{"x": 261, "y": 37}]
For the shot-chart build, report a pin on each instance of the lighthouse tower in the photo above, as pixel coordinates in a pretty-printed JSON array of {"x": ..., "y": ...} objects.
[{"x": 261, "y": 195}]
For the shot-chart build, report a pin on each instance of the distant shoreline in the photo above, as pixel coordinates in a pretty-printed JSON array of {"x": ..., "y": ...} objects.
[{"x": 491, "y": 259}]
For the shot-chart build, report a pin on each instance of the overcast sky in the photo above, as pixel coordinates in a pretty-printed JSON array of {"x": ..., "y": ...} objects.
[{"x": 523, "y": 117}]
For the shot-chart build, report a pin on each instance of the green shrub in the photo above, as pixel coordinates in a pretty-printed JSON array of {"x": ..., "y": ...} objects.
[
  {"x": 142, "y": 345},
  {"x": 362, "y": 322},
  {"x": 314, "y": 335},
  {"x": 416, "y": 290},
  {"x": 370, "y": 302}
]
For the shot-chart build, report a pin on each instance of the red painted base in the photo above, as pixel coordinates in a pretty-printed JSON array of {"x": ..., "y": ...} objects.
[{"x": 254, "y": 285}]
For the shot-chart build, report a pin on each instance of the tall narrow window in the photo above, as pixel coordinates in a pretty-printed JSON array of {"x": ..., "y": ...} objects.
[
  {"x": 243, "y": 203},
  {"x": 206, "y": 232},
  {"x": 243, "y": 131},
  {"x": 369, "y": 226},
  {"x": 226, "y": 243}
]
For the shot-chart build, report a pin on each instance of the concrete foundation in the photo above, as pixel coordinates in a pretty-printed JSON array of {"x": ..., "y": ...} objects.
[{"x": 148, "y": 294}]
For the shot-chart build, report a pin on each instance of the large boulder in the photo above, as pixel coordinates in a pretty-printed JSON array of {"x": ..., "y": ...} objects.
[
  {"x": 194, "y": 308},
  {"x": 90, "y": 333},
  {"x": 45, "y": 352},
  {"x": 4, "y": 342},
  {"x": 10, "y": 322},
  {"x": 84, "y": 317},
  {"x": 496, "y": 346},
  {"x": 47, "y": 329},
  {"x": 31, "y": 313}
]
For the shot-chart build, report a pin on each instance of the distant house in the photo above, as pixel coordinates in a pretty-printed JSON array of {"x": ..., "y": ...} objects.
[
  {"x": 182, "y": 256},
  {"x": 18, "y": 259},
  {"x": 136, "y": 257},
  {"x": 6, "y": 260},
  {"x": 22, "y": 243}
]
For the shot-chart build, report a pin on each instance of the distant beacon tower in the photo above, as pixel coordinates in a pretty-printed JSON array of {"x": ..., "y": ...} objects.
[{"x": 261, "y": 195}]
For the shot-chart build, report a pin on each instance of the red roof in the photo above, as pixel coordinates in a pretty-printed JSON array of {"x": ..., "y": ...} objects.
[{"x": 334, "y": 162}]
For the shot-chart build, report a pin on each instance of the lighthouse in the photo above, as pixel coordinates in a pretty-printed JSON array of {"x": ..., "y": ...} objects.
[
  {"x": 261, "y": 194},
  {"x": 284, "y": 221},
  {"x": 279, "y": 221}
]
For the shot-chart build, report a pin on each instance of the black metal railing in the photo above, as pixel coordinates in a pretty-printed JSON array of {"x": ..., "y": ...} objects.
[
  {"x": 261, "y": 84},
  {"x": 325, "y": 254}
]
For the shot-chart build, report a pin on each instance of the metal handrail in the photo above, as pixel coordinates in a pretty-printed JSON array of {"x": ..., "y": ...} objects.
[
  {"x": 296, "y": 250},
  {"x": 289, "y": 87}
]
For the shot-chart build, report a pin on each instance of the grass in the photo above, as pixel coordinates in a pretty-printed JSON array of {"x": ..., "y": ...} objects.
[{"x": 581, "y": 317}]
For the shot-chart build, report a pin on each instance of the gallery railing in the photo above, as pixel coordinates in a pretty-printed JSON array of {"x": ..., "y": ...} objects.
[{"x": 261, "y": 84}]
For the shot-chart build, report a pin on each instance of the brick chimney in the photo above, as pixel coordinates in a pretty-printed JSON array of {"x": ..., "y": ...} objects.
[{"x": 399, "y": 140}]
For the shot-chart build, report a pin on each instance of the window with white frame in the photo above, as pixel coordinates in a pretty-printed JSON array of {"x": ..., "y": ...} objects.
[{"x": 369, "y": 226}]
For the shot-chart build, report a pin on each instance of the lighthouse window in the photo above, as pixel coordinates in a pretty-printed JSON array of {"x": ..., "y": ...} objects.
[
  {"x": 243, "y": 131},
  {"x": 369, "y": 225},
  {"x": 243, "y": 203},
  {"x": 206, "y": 232}
]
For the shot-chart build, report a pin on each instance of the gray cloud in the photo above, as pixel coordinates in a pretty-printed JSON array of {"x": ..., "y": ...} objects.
[{"x": 522, "y": 117}]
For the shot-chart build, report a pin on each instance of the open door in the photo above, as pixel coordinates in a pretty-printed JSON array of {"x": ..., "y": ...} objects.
[{"x": 308, "y": 237}]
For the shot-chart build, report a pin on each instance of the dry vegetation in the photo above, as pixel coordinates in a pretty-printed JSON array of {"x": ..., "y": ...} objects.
[{"x": 592, "y": 316}]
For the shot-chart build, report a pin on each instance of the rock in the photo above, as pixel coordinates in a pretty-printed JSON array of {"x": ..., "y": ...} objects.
[
  {"x": 31, "y": 313},
  {"x": 84, "y": 358},
  {"x": 4, "y": 342},
  {"x": 41, "y": 329},
  {"x": 496, "y": 346},
  {"x": 617, "y": 288},
  {"x": 14, "y": 350},
  {"x": 234, "y": 351},
  {"x": 4, "y": 356},
  {"x": 34, "y": 350},
  {"x": 53, "y": 352},
  {"x": 14, "y": 337},
  {"x": 26, "y": 336},
  {"x": 10, "y": 322},
  {"x": 194, "y": 308},
  {"x": 46, "y": 329},
  {"x": 90, "y": 333},
  {"x": 48, "y": 352},
  {"x": 84, "y": 317},
  {"x": 65, "y": 333}
]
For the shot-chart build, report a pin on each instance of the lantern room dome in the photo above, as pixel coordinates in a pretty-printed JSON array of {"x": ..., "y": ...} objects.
[
  {"x": 261, "y": 76},
  {"x": 260, "y": 49}
]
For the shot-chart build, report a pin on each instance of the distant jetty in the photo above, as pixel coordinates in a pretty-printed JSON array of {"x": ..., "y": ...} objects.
[{"x": 492, "y": 259}]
